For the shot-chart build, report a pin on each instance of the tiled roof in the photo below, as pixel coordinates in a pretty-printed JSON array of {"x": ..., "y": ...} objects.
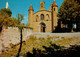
[
  {"x": 31, "y": 8},
  {"x": 54, "y": 4}
]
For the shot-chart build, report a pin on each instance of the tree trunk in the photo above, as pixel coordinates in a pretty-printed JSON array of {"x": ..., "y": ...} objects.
[
  {"x": 70, "y": 25},
  {"x": 0, "y": 28},
  {"x": 20, "y": 43}
]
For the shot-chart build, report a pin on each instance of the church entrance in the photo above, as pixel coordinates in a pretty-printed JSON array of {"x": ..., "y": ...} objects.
[{"x": 43, "y": 26}]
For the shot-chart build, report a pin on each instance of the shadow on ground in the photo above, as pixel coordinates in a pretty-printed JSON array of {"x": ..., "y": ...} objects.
[{"x": 55, "y": 51}]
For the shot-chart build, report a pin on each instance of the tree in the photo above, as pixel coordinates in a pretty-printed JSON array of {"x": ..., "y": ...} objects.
[
  {"x": 4, "y": 19},
  {"x": 15, "y": 22},
  {"x": 20, "y": 17},
  {"x": 7, "y": 21},
  {"x": 69, "y": 12},
  {"x": 8, "y": 11}
]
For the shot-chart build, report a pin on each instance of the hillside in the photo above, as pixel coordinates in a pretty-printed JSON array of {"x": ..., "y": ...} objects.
[{"x": 38, "y": 43}]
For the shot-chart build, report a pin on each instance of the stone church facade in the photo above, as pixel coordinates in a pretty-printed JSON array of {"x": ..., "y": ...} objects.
[{"x": 43, "y": 20}]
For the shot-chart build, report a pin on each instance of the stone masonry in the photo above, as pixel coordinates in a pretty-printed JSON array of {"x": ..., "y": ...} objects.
[{"x": 12, "y": 36}]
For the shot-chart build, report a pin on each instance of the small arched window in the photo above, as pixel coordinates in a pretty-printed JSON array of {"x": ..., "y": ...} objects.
[
  {"x": 42, "y": 5},
  {"x": 54, "y": 9},
  {"x": 42, "y": 16},
  {"x": 36, "y": 18},
  {"x": 47, "y": 16}
]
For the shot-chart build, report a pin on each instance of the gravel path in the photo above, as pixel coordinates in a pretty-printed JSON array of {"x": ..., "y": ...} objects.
[{"x": 57, "y": 34}]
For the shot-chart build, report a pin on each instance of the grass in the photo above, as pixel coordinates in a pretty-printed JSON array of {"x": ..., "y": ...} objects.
[
  {"x": 37, "y": 43},
  {"x": 66, "y": 41}
]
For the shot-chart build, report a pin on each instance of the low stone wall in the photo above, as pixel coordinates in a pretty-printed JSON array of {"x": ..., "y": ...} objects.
[{"x": 12, "y": 36}]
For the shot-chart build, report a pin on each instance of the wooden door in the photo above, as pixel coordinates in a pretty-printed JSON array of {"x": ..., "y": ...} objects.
[{"x": 41, "y": 29}]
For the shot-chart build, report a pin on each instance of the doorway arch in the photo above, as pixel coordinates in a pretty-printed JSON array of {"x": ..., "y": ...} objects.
[{"x": 42, "y": 27}]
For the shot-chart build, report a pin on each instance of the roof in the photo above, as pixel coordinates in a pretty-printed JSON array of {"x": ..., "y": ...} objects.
[
  {"x": 54, "y": 4},
  {"x": 42, "y": 1},
  {"x": 31, "y": 8}
]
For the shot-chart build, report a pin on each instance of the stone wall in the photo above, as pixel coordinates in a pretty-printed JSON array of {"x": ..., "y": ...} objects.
[{"x": 12, "y": 36}]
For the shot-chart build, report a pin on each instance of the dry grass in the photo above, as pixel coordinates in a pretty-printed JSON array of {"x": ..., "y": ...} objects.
[
  {"x": 67, "y": 41},
  {"x": 37, "y": 43}
]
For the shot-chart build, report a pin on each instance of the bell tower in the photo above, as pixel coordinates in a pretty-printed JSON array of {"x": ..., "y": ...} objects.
[
  {"x": 54, "y": 15},
  {"x": 42, "y": 5},
  {"x": 30, "y": 15}
]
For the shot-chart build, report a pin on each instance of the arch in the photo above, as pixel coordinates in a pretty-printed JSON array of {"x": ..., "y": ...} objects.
[
  {"x": 41, "y": 4},
  {"x": 43, "y": 26},
  {"x": 42, "y": 16}
]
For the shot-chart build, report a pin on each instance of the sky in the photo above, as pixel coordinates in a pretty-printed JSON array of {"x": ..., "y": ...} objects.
[{"x": 22, "y": 6}]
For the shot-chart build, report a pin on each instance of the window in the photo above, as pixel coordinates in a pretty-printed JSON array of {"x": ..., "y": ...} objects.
[
  {"x": 42, "y": 5},
  {"x": 47, "y": 16},
  {"x": 54, "y": 9},
  {"x": 42, "y": 16},
  {"x": 36, "y": 18}
]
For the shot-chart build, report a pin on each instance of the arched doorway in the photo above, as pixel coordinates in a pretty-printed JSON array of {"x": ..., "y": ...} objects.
[{"x": 42, "y": 27}]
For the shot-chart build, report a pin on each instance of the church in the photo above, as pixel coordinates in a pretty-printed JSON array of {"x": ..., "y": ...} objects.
[{"x": 43, "y": 20}]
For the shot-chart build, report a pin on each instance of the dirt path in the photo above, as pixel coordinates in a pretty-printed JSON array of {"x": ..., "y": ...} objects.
[{"x": 57, "y": 34}]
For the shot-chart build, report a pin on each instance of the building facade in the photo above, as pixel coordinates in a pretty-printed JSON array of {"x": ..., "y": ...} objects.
[{"x": 43, "y": 20}]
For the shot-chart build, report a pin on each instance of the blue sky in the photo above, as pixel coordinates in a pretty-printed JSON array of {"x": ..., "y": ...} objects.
[{"x": 22, "y": 6}]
